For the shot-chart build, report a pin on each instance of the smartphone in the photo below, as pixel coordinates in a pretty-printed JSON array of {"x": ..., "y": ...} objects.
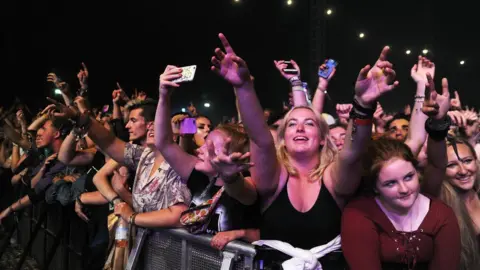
[
  {"x": 188, "y": 73},
  {"x": 290, "y": 69},
  {"x": 331, "y": 64},
  {"x": 105, "y": 108},
  {"x": 188, "y": 126}
]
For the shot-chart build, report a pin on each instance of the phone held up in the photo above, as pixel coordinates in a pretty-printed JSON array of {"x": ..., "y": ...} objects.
[
  {"x": 325, "y": 73},
  {"x": 188, "y": 126},
  {"x": 290, "y": 69},
  {"x": 188, "y": 73}
]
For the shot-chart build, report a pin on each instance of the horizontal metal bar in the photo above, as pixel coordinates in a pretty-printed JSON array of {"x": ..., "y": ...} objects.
[{"x": 238, "y": 247}]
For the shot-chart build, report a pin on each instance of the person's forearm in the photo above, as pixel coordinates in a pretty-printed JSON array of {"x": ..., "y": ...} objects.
[
  {"x": 164, "y": 218},
  {"x": 94, "y": 198},
  {"x": 416, "y": 132},
  {"x": 68, "y": 149}
]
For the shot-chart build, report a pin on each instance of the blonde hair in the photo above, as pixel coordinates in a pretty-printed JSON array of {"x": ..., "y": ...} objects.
[
  {"x": 470, "y": 255},
  {"x": 326, "y": 154}
]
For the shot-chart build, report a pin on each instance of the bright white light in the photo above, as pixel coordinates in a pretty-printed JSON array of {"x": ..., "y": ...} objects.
[
  {"x": 462, "y": 62},
  {"x": 425, "y": 51},
  {"x": 289, "y": 2},
  {"x": 183, "y": 110},
  {"x": 408, "y": 52},
  {"x": 206, "y": 105},
  {"x": 361, "y": 35},
  {"x": 58, "y": 91},
  {"x": 329, "y": 11}
]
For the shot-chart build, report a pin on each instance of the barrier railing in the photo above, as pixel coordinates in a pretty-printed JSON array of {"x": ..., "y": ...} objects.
[{"x": 178, "y": 249}]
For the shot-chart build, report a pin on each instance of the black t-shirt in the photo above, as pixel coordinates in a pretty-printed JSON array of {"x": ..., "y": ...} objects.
[{"x": 230, "y": 214}]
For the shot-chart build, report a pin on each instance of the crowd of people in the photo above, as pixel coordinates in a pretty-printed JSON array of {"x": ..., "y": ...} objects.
[{"x": 361, "y": 190}]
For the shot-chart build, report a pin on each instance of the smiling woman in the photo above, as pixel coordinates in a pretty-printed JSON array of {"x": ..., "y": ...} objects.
[{"x": 398, "y": 227}]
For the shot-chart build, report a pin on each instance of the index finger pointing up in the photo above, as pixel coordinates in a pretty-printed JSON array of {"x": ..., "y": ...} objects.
[{"x": 225, "y": 43}]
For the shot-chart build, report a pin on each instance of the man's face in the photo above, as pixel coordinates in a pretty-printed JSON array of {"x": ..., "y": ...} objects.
[
  {"x": 398, "y": 129},
  {"x": 136, "y": 125},
  {"x": 46, "y": 135}
]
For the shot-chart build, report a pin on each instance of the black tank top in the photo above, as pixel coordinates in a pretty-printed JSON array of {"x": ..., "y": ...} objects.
[{"x": 321, "y": 224}]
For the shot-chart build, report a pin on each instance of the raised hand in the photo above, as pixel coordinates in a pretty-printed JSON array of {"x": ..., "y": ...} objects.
[
  {"x": 119, "y": 96},
  {"x": 281, "y": 65},
  {"x": 20, "y": 116},
  {"x": 419, "y": 71},
  {"x": 380, "y": 117},
  {"x": 343, "y": 110},
  {"x": 166, "y": 79},
  {"x": 65, "y": 111},
  {"x": 225, "y": 164},
  {"x": 229, "y": 66},
  {"x": 436, "y": 105},
  {"x": 373, "y": 82},
  {"x": 457, "y": 118},
  {"x": 82, "y": 75},
  {"x": 322, "y": 82},
  {"x": 455, "y": 102},
  {"x": 63, "y": 86}
]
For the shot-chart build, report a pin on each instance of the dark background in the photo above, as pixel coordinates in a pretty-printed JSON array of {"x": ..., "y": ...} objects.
[{"x": 132, "y": 42}]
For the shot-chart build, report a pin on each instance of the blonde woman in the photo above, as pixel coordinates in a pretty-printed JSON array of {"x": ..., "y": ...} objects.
[
  {"x": 304, "y": 189},
  {"x": 460, "y": 191}
]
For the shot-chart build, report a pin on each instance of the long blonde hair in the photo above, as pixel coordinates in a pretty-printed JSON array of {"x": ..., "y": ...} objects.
[
  {"x": 470, "y": 255},
  {"x": 326, "y": 153}
]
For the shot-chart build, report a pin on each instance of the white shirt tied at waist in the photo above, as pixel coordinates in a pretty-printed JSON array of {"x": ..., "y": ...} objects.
[{"x": 302, "y": 259}]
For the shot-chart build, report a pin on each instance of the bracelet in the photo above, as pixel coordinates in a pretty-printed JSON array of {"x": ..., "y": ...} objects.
[
  {"x": 131, "y": 219},
  {"x": 296, "y": 83},
  {"x": 322, "y": 90},
  {"x": 294, "y": 78},
  {"x": 362, "y": 122},
  {"x": 418, "y": 97},
  {"x": 115, "y": 198},
  {"x": 437, "y": 129},
  {"x": 360, "y": 109}
]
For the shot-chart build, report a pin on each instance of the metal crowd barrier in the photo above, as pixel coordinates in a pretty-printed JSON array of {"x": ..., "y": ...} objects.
[{"x": 176, "y": 249}]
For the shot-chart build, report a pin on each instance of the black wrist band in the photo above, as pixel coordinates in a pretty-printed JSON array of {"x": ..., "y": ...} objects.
[{"x": 437, "y": 129}]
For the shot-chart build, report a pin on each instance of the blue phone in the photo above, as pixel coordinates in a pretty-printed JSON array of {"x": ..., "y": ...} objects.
[{"x": 326, "y": 72}]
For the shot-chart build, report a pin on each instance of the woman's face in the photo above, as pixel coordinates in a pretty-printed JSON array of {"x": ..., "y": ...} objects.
[
  {"x": 218, "y": 139},
  {"x": 398, "y": 185},
  {"x": 203, "y": 129},
  {"x": 461, "y": 169},
  {"x": 302, "y": 132}
]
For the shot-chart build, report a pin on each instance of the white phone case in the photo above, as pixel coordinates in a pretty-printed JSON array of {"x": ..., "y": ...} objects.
[{"x": 188, "y": 73}]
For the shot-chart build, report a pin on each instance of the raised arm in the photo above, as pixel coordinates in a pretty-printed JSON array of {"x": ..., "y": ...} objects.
[
  {"x": 416, "y": 132},
  {"x": 319, "y": 97},
  {"x": 345, "y": 173},
  {"x": 181, "y": 162},
  {"x": 298, "y": 93},
  {"x": 235, "y": 71},
  {"x": 102, "y": 137},
  {"x": 436, "y": 107},
  {"x": 70, "y": 156}
]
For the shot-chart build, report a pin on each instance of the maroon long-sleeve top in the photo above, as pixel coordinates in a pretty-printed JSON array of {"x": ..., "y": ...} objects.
[{"x": 370, "y": 241}]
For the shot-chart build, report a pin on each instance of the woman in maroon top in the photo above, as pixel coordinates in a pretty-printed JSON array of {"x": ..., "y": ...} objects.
[{"x": 399, "y": 228}]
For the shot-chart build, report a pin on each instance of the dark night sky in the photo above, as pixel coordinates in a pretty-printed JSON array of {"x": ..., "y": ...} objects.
[{"x": 132, "y": 43}]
